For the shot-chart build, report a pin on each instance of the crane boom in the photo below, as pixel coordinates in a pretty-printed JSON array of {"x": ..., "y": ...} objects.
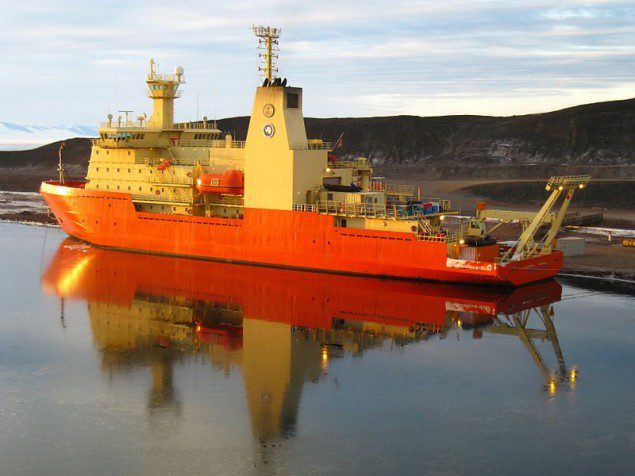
[{"x": 527, "y": 246}]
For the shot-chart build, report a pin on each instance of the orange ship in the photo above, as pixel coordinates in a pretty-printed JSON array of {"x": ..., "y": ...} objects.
[
  {"x": 281, "y": 199},
  {"x": 306, "y": 299},
  {"x": 280, "y": 328}
]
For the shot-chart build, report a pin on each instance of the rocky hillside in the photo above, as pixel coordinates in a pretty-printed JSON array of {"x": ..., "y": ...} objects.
[
  {"x": 598, "y": 134},
  {"x": 592, "y": 134},
  {"x": 76, "y": 152}
]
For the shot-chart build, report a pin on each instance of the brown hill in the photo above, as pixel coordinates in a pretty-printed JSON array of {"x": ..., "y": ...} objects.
[
  {"x": 76, "y": 152},
  {"x": 591, "y": 135}
]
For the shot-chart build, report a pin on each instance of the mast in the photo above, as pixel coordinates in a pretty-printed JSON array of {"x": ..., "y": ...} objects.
[
  {"x": 268, "y": 50},
  {"x": 60, "y": 165},
  {"x": 163, "y": 89}
]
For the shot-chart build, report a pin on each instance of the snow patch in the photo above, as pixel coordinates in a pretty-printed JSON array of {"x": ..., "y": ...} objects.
[
  {"x": 596, "y": 230},
  {"x": 21, "y": 136}
]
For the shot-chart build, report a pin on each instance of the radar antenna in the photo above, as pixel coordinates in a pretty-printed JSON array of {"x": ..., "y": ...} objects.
[
  {"x": 127, "y": 113},
  {"x": 267, "y": 51}
]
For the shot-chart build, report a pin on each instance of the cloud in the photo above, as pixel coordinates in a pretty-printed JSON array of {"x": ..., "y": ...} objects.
[{"x": 70, "y": 61}]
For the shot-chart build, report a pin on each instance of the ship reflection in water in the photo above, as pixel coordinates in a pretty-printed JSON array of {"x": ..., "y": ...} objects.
[{"x": 280, "y": 327}]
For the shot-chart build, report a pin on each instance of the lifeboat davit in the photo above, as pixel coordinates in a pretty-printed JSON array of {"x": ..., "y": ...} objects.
[{"x": 230, "y": 182}]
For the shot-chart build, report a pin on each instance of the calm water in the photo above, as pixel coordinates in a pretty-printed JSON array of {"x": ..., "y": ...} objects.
[{"x": 115, "y": 363}]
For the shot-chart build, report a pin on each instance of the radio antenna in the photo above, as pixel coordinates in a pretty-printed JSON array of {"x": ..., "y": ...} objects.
[
  {"x": 267, "y": 51},
  {"x": 60, "y": 165}
]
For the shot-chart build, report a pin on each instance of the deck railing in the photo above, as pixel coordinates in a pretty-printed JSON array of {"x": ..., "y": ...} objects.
[
  {"x": 365, "y": 209},
  {"x": 153, "y": 162},
  {"x": 423, "y": 233},
  {"x": 196, "y": 126},
  {"x": 161, "y": 179},
  {"x": 392, "y": 188},
  {"x": 400, "y": 189},
  {"x": 215, "y": 144},
  {"x": 145, "y": 126},
  {"x": 568, "y": 181},
  {"x": 349, "y": 164},
  {"x": 304, "y": 207},
  {"x": 310, "y": 145},
  {"x": 154, "y": 76}
]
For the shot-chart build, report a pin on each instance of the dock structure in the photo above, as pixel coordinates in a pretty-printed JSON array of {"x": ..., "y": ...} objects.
[{"x": 576, "y": 219}]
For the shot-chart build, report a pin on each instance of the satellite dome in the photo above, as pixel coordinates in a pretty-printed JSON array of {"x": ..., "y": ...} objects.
[{"x": 178, "y": 70}]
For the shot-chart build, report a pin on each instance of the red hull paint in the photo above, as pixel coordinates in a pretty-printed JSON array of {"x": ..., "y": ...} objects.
[
  {"x": 308, "y": 299},
  {"x": 294, "y": 239}
]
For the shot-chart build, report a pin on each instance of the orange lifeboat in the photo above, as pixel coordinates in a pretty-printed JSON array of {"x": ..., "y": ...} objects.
[{"x": 230, "y": 182}]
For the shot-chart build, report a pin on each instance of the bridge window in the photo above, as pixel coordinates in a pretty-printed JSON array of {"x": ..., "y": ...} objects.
[{"x": 293, "y": 100}]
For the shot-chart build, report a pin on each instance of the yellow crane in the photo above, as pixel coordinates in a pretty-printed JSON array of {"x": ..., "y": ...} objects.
[{"x": 527, "y": 245}]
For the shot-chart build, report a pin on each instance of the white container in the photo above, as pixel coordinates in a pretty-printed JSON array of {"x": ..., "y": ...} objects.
[{"x": 571, "y": 246}]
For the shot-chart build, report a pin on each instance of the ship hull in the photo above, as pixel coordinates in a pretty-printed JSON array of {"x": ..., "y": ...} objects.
[{"x": 294, "y": 239}]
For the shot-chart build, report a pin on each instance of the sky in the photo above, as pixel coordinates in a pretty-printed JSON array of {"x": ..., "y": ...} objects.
[{"x": 71, "y": 61}]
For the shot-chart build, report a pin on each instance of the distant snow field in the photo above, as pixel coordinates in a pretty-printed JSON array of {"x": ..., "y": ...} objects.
[{"x": 20, "y": 137}]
